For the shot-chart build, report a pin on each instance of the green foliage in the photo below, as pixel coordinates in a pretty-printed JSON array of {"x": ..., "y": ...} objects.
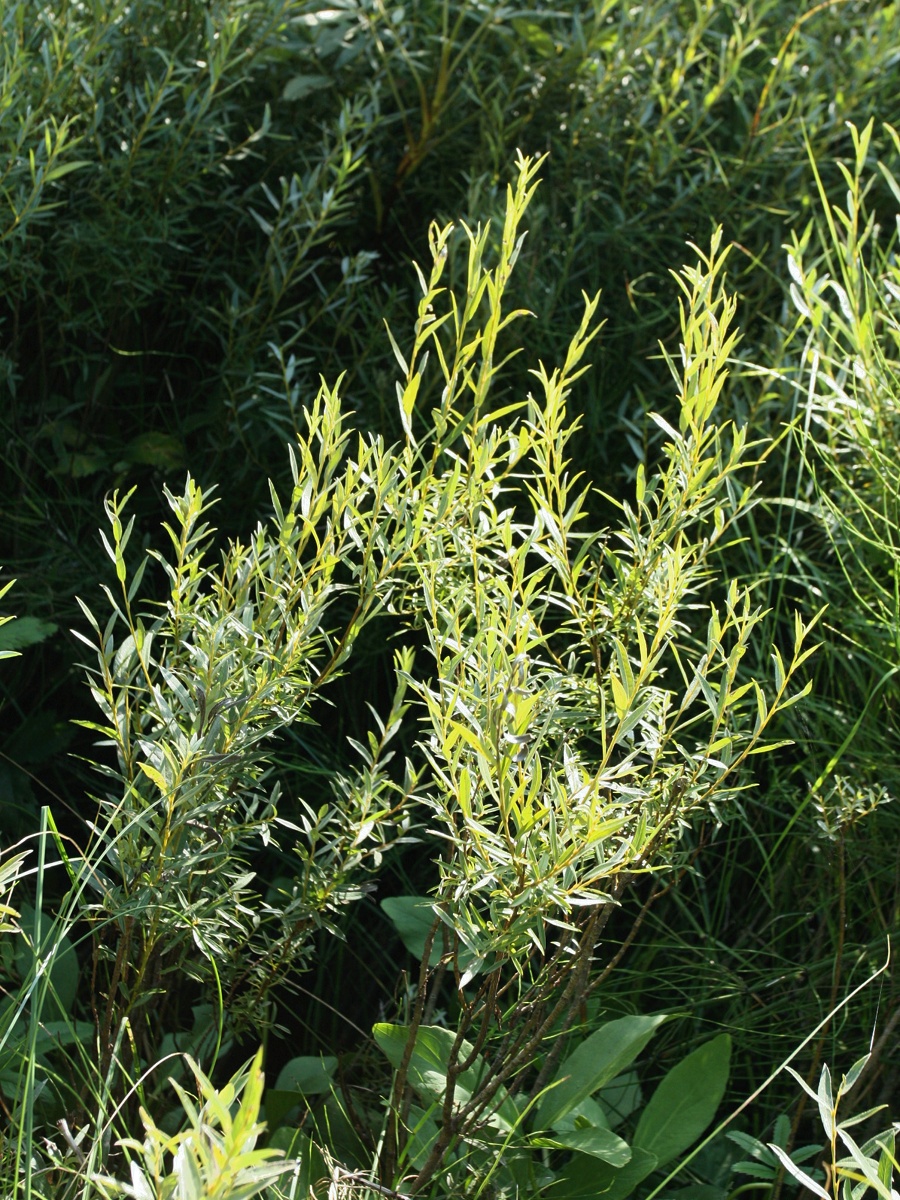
[
  {"x": 215, "y": 1156},
  {"x": 594, "y": 1063},
  {"x": 8, "y": 650},
  {"x": 763, "y": 1163},
  {"x": 506, "y": 642},
  {"x": 575, "y": 720},
  {"x": 867, "y": 1168},
  {"x": 570, "y": 1117},
  {"x": 9, "y": 875}
]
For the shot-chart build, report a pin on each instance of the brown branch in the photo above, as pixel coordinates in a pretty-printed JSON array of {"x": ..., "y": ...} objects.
[{"x": 399, "y": 1101}]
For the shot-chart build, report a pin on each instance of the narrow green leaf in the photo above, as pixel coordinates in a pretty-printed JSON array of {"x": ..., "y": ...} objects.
[
  {"x": 398, "y": 353},
  {"x": 157, "y": 777},
  {"x": 885, "y": 1159},
  {"x": 57, "y": 172},
  {"x": 825, "y": 1100},
  {"x": 620, "y": 697},
  {"x": 640, "y": 484},
  {"x": 806, "y": 1180}
]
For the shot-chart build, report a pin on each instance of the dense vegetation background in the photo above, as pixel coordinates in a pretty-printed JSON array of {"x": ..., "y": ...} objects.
[{"x": 208, "y": 208}]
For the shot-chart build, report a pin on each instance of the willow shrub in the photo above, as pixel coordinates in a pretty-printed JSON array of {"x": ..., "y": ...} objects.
[
  {"x": 824, "y": 530},
  {"x": 181, "y": 196},
  {"x": 579, "y": 691}
]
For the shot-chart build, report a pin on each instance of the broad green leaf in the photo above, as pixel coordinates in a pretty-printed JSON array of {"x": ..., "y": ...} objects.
[
  {"x": 537, "y": 37},
  {"x": 595, "y": 1063},
  {"x": 412, "y": 917},
  {"x": 80, "y": 464},
  {"x": 303, "y": 85},
  {"x": 423, "y": 1133},
  {"x": 620, "y": 1098},
  {"x": 685, "y": 1102},
  {"x": 428, "y": 1068},
  {"x": 597, "y": 1142},
  {"x": 156, "y": 449},
  {"x": 200, "y": 1042},
  {"x": 299, "y": 1148},
  {"x": 588, "y": 1112},
  {"x": 587, "y": 1178},
  {"x": 307, "y": 1074},
  {"x": 51, "y": 1036},
  {"x": 63, "y": 979},
  {"x": 25, "y": 631},
  {"x": 700, "y": 1191},
  {"x": 279, "y": 1106}
]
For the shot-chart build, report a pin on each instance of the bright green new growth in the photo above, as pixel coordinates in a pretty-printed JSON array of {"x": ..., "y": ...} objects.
[
  {"x": 214, "y": 1157},
  {"x": 573, "y": 719},
  {"x": 866, "y": 1170}
]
